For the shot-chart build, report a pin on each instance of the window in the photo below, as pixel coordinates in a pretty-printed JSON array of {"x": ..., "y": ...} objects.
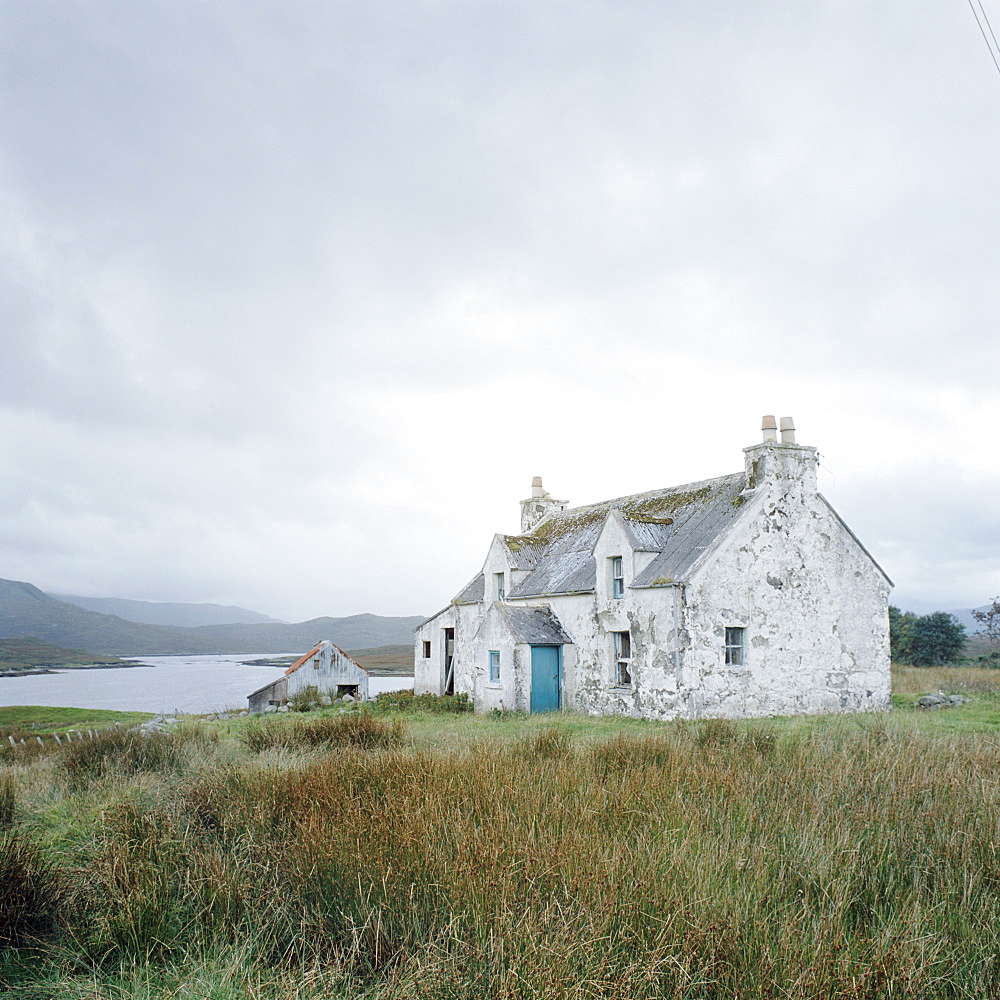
[
  {"x": 617, "y": 577},
  {"x": 427, "y": 649},
  {"x": 734, "y": 647},
  {"x": 499, "y": 583},
  {"x": 494, "y": 665},
  {"x": 316, "y": 663},
  {"x": 623, "y": 659}
]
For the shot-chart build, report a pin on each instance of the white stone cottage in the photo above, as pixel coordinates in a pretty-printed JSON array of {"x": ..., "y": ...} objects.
[
  {"x": 741, "y": 596},
  {"x": 325, "y": 667}
]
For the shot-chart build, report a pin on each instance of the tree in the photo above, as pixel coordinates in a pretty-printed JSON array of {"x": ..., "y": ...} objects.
[
  {"x": 990, "y": 620},
  {"x": 935, "y": 639},
  {"x": 900, "y": 626}
]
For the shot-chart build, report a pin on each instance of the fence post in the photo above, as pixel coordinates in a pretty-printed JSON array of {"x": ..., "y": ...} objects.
[
  {"x": 58, "y": 741},
  {"x": 41, "y": 743}
]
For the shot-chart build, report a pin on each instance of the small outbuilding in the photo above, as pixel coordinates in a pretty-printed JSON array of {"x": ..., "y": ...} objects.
[{"x": 326, "y": 667}]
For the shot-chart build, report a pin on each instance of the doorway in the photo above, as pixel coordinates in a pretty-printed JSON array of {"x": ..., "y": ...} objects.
[
  {"x": 546, "y": 670},
  {"x": 449, "y": 661}
]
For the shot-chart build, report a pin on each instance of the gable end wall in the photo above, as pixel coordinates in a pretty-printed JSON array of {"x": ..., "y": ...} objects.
[{"x": 815, "y": 612}]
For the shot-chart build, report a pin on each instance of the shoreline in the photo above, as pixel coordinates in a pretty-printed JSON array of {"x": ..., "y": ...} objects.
[{"x": 60, "y": 668}]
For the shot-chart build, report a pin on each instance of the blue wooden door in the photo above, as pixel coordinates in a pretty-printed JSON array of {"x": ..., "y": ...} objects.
[{"x": 545, "y": 678}]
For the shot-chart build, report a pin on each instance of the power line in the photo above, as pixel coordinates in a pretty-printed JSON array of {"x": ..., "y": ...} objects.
[
  {"x": 992, "y": 46},
  {"x": 996, "y": 47}
]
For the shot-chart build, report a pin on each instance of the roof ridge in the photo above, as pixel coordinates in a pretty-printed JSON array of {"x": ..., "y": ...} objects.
[{"x": 647, "y": 494}]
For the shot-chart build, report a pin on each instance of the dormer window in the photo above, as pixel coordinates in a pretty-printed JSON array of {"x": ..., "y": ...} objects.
[
  {"x": 498, "y": 584},
  {"x": 617, "y": 577}
]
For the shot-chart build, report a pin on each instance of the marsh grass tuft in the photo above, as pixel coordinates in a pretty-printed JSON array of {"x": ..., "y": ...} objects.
[
  {"x": 33, "y": 892},
  {"x": 8, "y": 799},
  {"x": 123, "y": 752},
  {"x": 357, "y": 729},
  {"x": 547, "y": 744}
]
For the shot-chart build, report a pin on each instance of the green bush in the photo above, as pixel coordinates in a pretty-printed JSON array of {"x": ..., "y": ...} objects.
[
  {"x": 407, "y": 701},
  {"x": 305, "y": 700}
]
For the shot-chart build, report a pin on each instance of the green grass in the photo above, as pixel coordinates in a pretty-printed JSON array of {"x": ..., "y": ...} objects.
[
  {"x": 405, "y": 854},
  {"x": 42, "y": 719},
  {"x": 390, "y": 660}
]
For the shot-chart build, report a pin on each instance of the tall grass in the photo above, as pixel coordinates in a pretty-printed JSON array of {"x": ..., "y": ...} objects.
[
  {"x": 33, "y": 892},
  {"x": 952, "y": 680},
  {"x": 120, "y": 751},
  {"x": 706, "y": 860},
  {"x": 356, "y": 729}
]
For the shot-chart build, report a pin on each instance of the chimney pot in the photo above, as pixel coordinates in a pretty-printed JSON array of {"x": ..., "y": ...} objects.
[
  {"x": 770, "y": 428},
  {"x": 787, "y": 431},
  {"x": 536, "y": 481}
]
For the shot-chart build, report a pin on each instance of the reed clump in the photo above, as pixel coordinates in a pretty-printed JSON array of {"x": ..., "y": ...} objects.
[
  {"x": 357, "y": 729},
  {"x": 33, "y": 891},
  {"x": 122, "y": 752}
]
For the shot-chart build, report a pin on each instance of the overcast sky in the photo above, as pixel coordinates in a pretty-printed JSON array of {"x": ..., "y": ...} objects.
[{"x": 297, "y": 297}]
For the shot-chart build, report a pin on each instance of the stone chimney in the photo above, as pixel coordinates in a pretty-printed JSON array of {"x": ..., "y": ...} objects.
[
  {"x": 784, "y": 461},
  {"x": 538, "y": 506}
]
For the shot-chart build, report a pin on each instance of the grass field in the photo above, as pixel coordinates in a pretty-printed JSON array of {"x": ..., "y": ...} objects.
[
  {"x": 385, "y": 659},
  {"x": 18, "y": 720},
  {"x": 384, "y": 855}
]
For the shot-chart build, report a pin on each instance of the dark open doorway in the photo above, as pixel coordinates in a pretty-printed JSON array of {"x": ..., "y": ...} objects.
[{"x": 449, "y": 661}]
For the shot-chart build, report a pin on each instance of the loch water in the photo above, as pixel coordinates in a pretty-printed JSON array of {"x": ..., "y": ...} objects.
[{"x": 189, "y": 684}]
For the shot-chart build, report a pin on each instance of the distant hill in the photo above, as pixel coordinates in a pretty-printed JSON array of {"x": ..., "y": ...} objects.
[
  {"x": 26, "y": 610},
  {"x": 28, "y": 651},
  {"x": 964, "y": 615},
  {"x": 165, "y": 613}
]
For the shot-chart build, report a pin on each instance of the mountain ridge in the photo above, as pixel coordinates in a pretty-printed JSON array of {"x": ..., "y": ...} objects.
[
  {"x": 179, "y": 613},
  {"x": 25, "y": 610}
]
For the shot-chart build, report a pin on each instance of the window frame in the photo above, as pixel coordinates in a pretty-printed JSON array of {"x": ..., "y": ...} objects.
[
  {"x": 494, "y": 669},
  {"x": 734, "y": 646},
  {"x": 427, "y": 649},
  {"x": 623, "y": 658},
  {"x": 617, "y": 566},
  {"x": 500, "y": 586}
]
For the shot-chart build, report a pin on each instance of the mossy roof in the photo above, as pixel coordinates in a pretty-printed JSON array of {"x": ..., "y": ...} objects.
[{"x": 678, "y": 524}]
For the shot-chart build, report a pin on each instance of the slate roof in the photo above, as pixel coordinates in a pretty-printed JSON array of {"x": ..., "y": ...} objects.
[
  {"x": 537, "y": 625},
  {"x": 678, "y": 523}
]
